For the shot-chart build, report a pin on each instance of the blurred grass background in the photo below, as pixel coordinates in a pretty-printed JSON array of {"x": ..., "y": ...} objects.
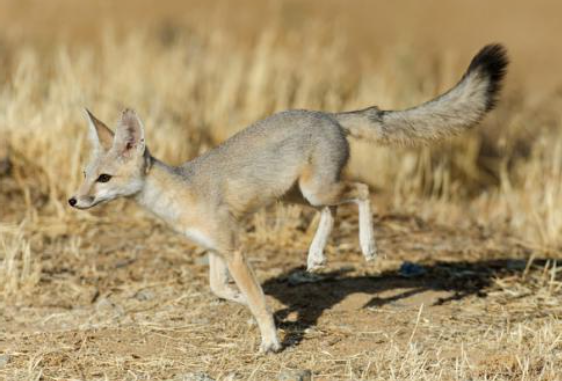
[{"x": 198, "y": 71}]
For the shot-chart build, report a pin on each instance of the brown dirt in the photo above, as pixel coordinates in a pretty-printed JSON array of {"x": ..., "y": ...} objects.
[{"x": 133, "y": 303}]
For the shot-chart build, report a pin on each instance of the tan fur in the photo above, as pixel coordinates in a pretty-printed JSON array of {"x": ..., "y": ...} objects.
[
  {"x": 295, "y": 155},
  {"x": 449, "y": 114}
]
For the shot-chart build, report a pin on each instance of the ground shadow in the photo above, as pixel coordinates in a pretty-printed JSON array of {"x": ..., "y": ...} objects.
[{"x": 310, "y": 297}]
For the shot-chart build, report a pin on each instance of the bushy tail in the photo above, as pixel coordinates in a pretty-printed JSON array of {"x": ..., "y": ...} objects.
[{"x": 449, "y": 114}]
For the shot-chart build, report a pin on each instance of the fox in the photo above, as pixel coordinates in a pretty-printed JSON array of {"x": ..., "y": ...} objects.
[{"x": 294, "y": 156}]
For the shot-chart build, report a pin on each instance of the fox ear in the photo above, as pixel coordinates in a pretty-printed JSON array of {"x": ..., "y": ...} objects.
[
  {"x": 129, "y": 137},
  {"x": 100, "y": 135}
]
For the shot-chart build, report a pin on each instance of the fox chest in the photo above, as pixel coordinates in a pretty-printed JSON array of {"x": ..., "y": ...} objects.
[
  {"x": 192, "y": 228},
  {"x": 185, "y": 223},
  {"x": 199, "y": 237}
]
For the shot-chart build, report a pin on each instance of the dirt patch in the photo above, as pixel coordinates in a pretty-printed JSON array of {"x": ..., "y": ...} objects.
[{"x": 135, "y": 304}]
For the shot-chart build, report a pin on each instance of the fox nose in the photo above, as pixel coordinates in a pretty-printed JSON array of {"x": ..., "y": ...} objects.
[{"x": 72, "y": 201}]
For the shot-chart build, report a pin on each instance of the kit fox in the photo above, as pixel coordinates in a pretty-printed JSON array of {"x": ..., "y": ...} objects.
[{"x": 296, "y": 156}]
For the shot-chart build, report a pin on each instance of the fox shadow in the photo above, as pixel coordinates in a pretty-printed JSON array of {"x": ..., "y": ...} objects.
[{"x": 309, "y": 296}]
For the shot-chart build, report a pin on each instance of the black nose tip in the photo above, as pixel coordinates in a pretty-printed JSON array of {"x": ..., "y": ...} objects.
[{"x": 72, "y": 201}]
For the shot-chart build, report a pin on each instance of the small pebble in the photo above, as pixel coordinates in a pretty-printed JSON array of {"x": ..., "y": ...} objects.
[
  {"x": 203, "y": 260},
  {"x": 295, "y": 375},
  {"x": 5, "y": 166},
  {"x": 106, "y": 306},
  {"x": 5, "y": 162},
  {"x": 195, "y": 376},
  {"x": 144, "y": 295},
  {"x": 4, "y": 360},
  {"x": 301, "y": 277},
  {"x": 231, "y": 377},
  {"x": 411, "y": 270}
]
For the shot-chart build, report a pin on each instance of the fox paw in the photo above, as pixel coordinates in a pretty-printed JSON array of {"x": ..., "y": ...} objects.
[
  {"x": 369, "y": 251},
  {"x": 315, "y": 267},
  {"x": 271, "y": 346},
  {"x": 230, "y": 295},
  {"x": 315, "y": 262}
]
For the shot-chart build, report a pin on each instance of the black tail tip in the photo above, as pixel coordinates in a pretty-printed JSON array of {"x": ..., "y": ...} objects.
[{"x": 492, "y": 62}]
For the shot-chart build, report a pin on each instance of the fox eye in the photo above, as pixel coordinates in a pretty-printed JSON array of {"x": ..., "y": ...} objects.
[{"x": 103, "y": 178}]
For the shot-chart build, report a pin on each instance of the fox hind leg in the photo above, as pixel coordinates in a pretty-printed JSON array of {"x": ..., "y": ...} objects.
[
  {"x": 359, "y": 194},
  {"x": 323, "y": 193},
  {"x": 316, "y": 258},
  {"x": 321, "y": 185}
]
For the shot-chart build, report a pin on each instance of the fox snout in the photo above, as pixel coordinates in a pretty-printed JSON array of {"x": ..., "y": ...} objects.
[{"x": 83, "y": 202}]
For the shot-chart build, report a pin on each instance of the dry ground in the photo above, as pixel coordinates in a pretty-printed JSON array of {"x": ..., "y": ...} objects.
[
  {"x": 112, "y": 294},
  {"x": 133, "y": 302}
]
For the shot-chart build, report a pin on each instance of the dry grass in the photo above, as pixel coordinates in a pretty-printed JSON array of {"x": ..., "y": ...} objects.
[
  {"x": 182, "y": 89},
  {"x": 19, "y": 270},
  {"x": 112, "y": 295}
]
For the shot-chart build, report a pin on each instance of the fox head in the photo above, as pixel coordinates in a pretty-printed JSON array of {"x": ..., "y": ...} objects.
[{"x": 119, "y": 163}]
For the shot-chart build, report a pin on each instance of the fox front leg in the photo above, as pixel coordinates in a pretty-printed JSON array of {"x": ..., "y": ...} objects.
[{"x": 253, "y": 293}]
